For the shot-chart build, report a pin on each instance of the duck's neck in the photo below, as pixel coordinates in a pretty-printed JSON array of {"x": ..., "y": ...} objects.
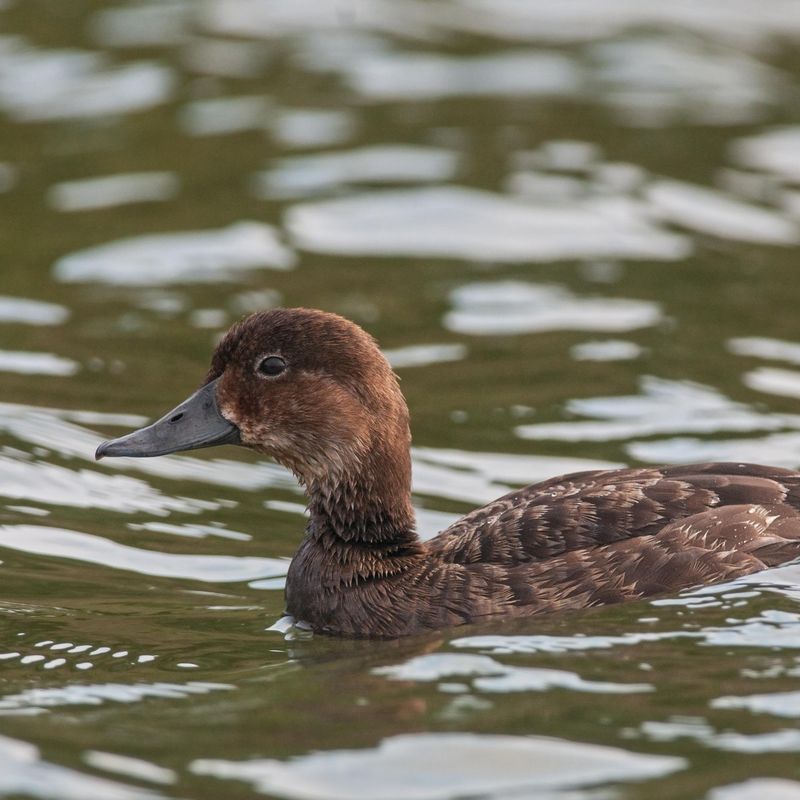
[{"x": 367, "y": 505}]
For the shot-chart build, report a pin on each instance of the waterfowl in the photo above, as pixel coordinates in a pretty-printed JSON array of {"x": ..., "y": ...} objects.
[{"x": 313, "y": 391}]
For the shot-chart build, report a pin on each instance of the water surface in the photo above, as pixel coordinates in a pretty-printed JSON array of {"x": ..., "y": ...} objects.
[{"x": 572, "y": 226}]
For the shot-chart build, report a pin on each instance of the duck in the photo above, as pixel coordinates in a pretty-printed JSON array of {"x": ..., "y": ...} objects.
[{"x": 312, "y": 390}]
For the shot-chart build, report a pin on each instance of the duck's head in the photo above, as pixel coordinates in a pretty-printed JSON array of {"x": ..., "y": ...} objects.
[{"x": 308, "y": 388}]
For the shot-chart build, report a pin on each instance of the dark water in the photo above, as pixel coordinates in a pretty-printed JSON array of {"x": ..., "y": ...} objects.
[{"x": 572, "y": 225}]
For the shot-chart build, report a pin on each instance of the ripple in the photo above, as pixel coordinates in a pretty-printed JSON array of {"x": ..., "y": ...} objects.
[
  {"x": 771, "y": 380},
  {"x": 543, "y": 643},
  {"x": 763, "y": 347},
  {"x": 388, "y": 76},
  {"x": 190, "y": 257},
  {"x": 50, "y": 428},
  {"x": 31, "y": 312},
  {"x": 750, "y": 24},
  {"x": 312, "y": 127},
  {"x": 492, "y": 676},
  {"x": 758, "y": 789},
  {"x": 657, "y": 79},
  {"x": 388, "y": 163},
  {"x": 475, "y": 477},
  {"x": 779, "y": 450},
  {"x": 55, "y": 485},
  {"x": 220, "y": 116},
  {"x": 446, "y": 765},
  {"x": 26, "y": 773},
  {"x": 112, "y": 190},
  {"x": 26, "y": 363},
  {"x": 153, "y": 24},
  {"x": 779, "y": 704},
  {"x": 136, "y": 768},
  {"x": 780, "y": 741},
  {"x": 474, "y": 225},
  {"x": 422, "y": 355},
  {"x": 90, "y": 549},
  {"x": 776, "y": 151},
  {"x": 709, "y": 211},
  {"x": 37, "y": 85},
  {"x": 663, "y": 406},
  {"x": 96, "y": 694},
  {"x": 505, "y": 307},
  {"x": 607, "y": 350}
]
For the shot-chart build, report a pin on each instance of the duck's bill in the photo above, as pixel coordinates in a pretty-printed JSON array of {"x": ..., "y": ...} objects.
[{"x": 195, "y": 423}]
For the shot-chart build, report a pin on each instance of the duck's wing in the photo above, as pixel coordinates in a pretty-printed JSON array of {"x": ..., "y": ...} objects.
[{"x": 587, "y": 510}]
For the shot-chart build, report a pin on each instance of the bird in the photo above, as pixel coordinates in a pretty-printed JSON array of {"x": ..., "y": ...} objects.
[{"x": 313, "y": 391}]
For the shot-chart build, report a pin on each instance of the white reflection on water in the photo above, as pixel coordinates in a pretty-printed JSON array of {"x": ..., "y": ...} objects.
[
  {"x": 422, "y": 355},
  {"x": 40, "y": 85},
  {"x": 660, "y": 78},
  {"x": 763, "y": 347},
  {"x": 56, "y": 485},
  {"x": 188, "y": 257},
  {"x": 780, "y": 741},
  {"x": 492, "y": 676},
  {"x": 31, "y": 312},
  {"x": 48, "y": 427},
  {"x": 713, "y": 212},
  {"x": 770, "y": 629},
  {"x": 504, "y": 307},
  {"x": 779, "y": 704},
  {"x": 95, "y": 694},
  {"x": 757, "y": 789},
  {"x": 225, "y": 115},
  {"x": 744, "y": 23},
  {"x": 131, "y": 767},
  {"x": 771, "y": 380},
  {"x": 664, "y": 406},
  {"x": 191, "y": 530},
  {"x": 777, "y": 449},
  {"x": 605, "y": 350},
  {"x": 90, "y": 549},
  {"x": 543, "y": 643},
  {"x": 475, "y": 225},
  {"x": 388, "y": 163},
  {"x": 24, "y": 772},
  {"x": 776, "y": 151},
  {"x": 312, "y": 127},
  {"x": 147, "y": 24},
  {"x": 445, "y": 765},
  {"x": 26, "y": 363},
  {"x": 475, "y": 477},
  {"x": 387, "y": 76},
  {"x": 113, "y": 190}
]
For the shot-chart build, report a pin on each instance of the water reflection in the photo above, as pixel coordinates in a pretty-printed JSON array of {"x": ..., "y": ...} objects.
[
  {"x": 26, "y": 773},
  {"x": 439, "y": 170},
  {"x": 90, "y": 549},
  {"x": 38, "y": 85},
  {"x": 456, "y": 222},
  {"x": 310, "y": 175},
  {"x": 113, "y": 190},
  {"x": 197, "y": 257},
  {"x": 445, "y": 766},
  {"x": 516, "y": 307}
]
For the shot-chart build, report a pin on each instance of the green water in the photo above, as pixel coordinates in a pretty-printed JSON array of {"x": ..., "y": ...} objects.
[{"x": 608, "y": 279}]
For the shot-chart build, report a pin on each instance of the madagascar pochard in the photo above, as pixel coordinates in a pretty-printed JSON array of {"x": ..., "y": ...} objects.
[{"x": 313, "y": 391}]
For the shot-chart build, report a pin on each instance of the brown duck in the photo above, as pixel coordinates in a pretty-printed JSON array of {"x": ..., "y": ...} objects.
[{"x": 313, "y": 391}]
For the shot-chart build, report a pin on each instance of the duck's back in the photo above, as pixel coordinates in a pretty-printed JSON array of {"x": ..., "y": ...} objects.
[{"x": 592, "y": 538}]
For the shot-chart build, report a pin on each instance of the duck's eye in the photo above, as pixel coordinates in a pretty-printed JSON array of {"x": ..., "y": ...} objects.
[{"x": 271, "y": 366}]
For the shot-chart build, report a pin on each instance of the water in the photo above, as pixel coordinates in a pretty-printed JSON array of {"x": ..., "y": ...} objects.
[{"x": 573, "y": 228}]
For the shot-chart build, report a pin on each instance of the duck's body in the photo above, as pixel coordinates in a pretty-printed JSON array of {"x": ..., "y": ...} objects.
[{"x": 313, "y": 391}]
